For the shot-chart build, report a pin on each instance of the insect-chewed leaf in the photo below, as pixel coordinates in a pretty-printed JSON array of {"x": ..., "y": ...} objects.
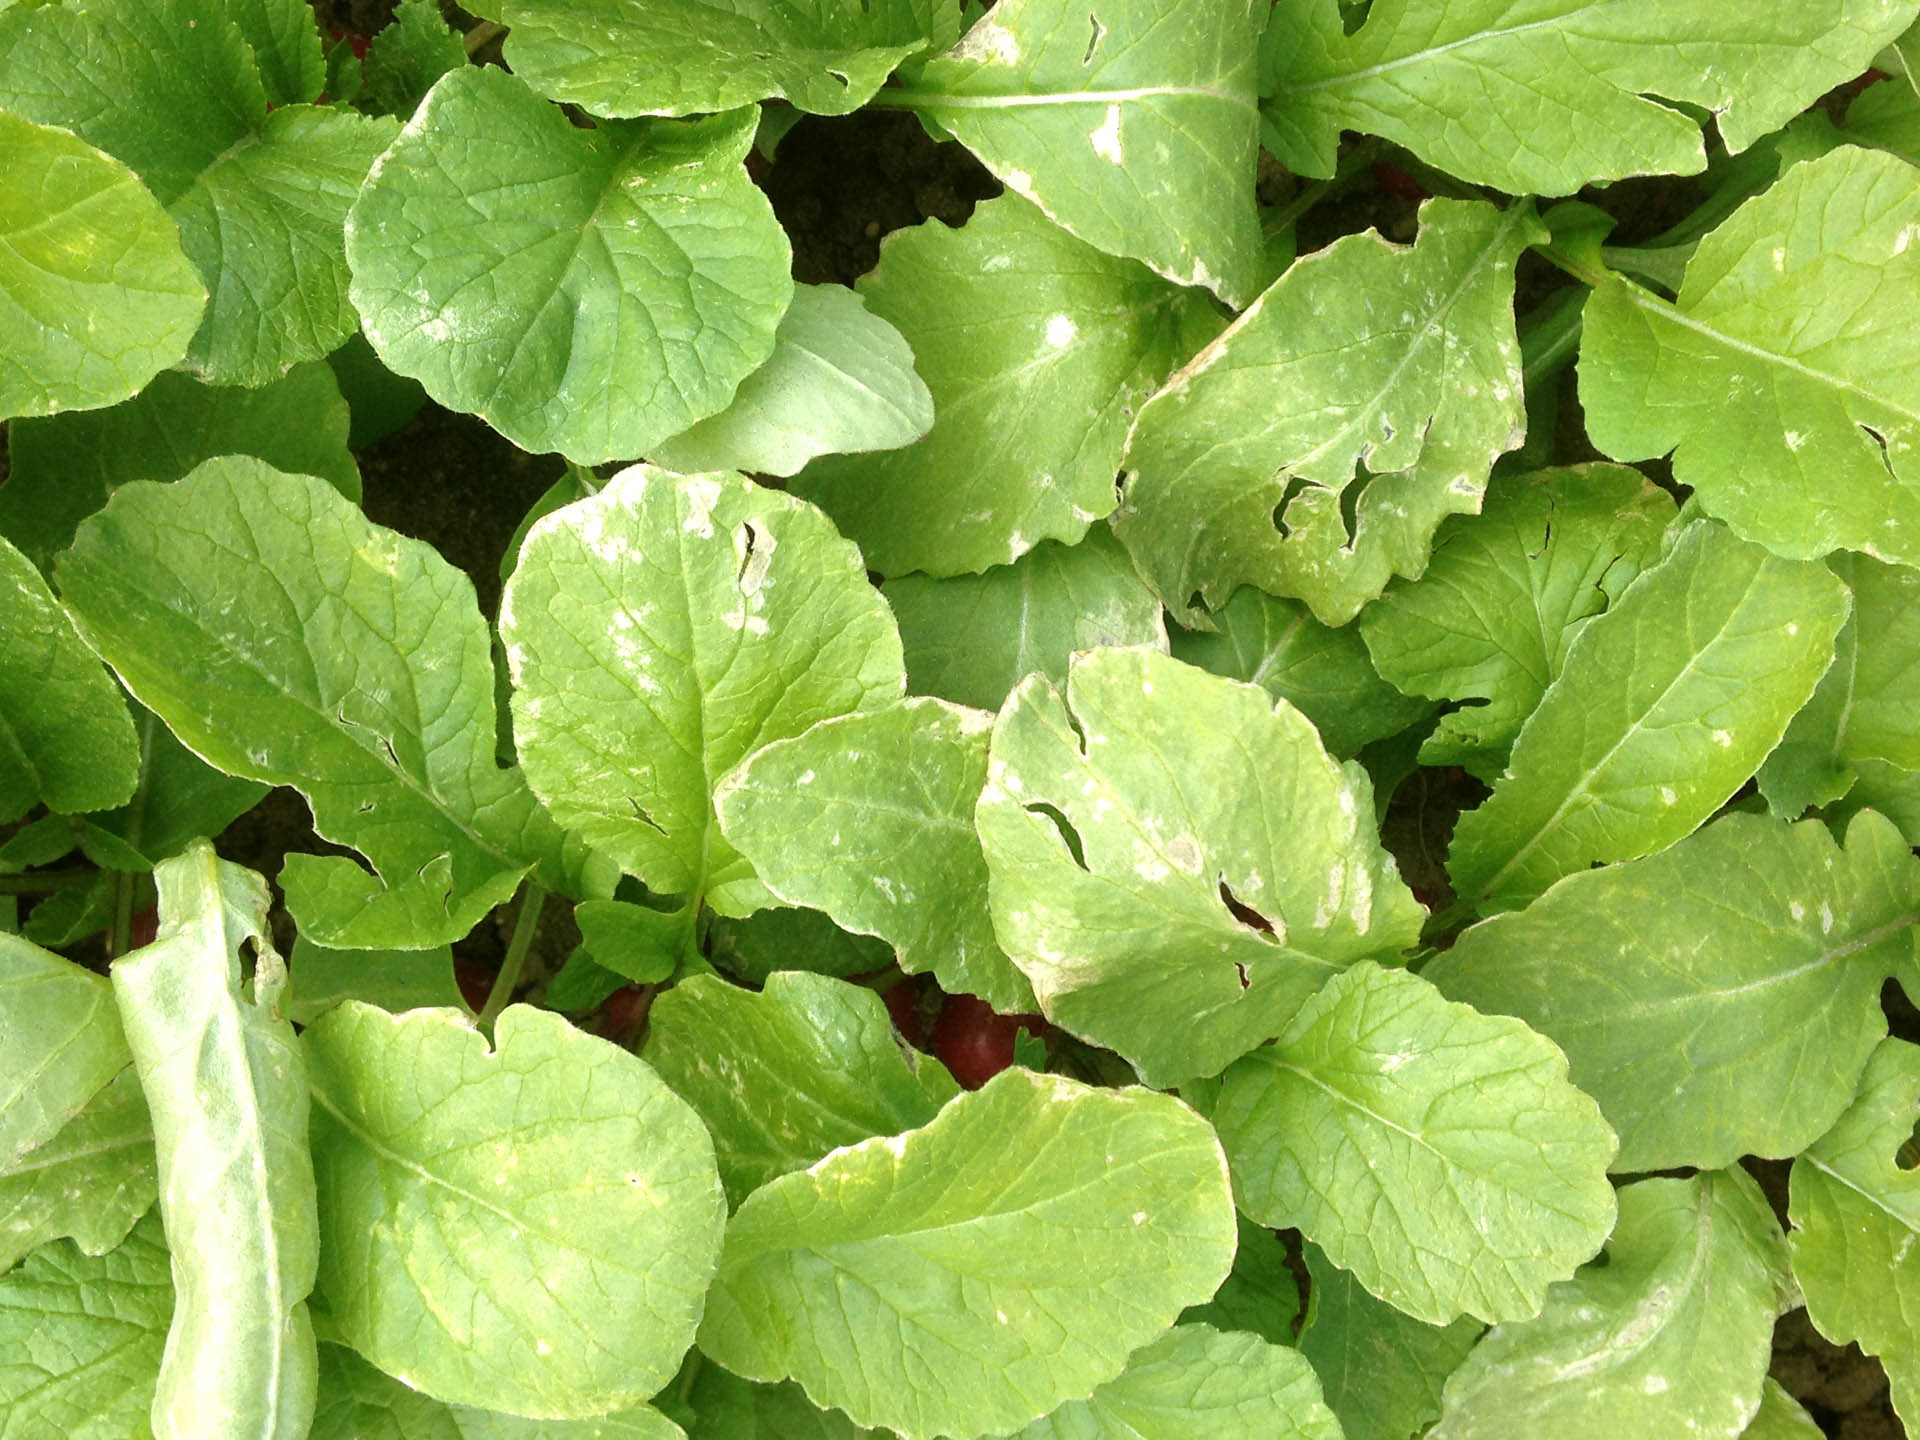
[
  {"x": 1561, "y": 94},
  {"x": 1855, "y": 1208},
  {"x": 288, "y": 639},
  {"x": 1670, "y": 1337},
  {"x": 586, "y": 291},
  {"x": 1439, "y": 1154},
  {"x": 1312, "y": 449},
  {"x": 1157, "y": 911},
  {"x": 663, "y": 630},
  {"x": 527, "y": 1229},
  {"x": 1785, "y": 379},
  {"x": 967, "y": 1277},
  {"x": 1718, "y": 999}
]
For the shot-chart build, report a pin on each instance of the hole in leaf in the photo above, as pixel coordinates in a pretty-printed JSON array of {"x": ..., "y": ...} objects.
[
  {"x": 643, "y": 817},
  {"x": 1907, "y": 1157},
  {"x": 1353, "y": 14},
  {"x": 1880, "y": 440},
  {"x": 756, "y": 554},
  {"x": 1068, "y": 835},
  {"x": 393, "y": 756},
  {"x": 1241, "y": 970},
  {"x": 845, "y": 83},
  {"x": 1245, "y": 914},
  {"x": 1350, "y": 503},
  {"x": 1294, "y": 486},
  {"x": 1093, "y": 40}
]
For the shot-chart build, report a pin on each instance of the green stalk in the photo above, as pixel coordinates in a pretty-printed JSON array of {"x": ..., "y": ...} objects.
[{"x": 532, "y": 898}]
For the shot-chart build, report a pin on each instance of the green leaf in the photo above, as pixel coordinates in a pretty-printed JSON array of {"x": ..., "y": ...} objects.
[
  {"x": 179, "y": 798},
  {"x": 1438, "y": 1154},
  {"x": 394, "y": 980},
  {"x": 62, "y": 1039},
  {"x": 408, "y": 54},
  {"x": 96, "y": 295},
  {"x": 586, "y": 291},
  {"x": 1319, "y": 469},
  {"x": 1781, "y": 1417},
  {"x": 1561, "y": 94},
  {"x": 65, "y": 738},
  {"x": 1261, "y": 1296},
  {"x": 223, "y": 1079},
  {"x": 82, "y": 1337},
  {"x": 1863, "y": 708},
  {"x": 91, "y": 1181},
  {"x": 1382, "y": 1371},
  {"x": 869, "y": 818},
  {"x": 720, "y": 1406},
  {"x": 1665, "y": 705},
  {"x": 1133, "y": 125},
  {"x": 1196, "y": 1383},
  {"x": 663, "y": 630},
  {"x": 784, "y": 1076},
  {"x": 359, "y": 1402},
  {"x": 787, "y": 939},
  {"x": 1157, "y": 911},
  {"x": 285, "y": 39},
  {"x": 1886, "y": 117},
  {"x": 1324, "y": 672},
  {"x": 67, "y": 467},
  {"x": 632, "y": 57},
  {"x": 1490, "y": 621},
  {"x": 1036, "y": 348},
  {"x": 972, "y": 638},
  {"x": 1855, "y": 1210},
  {"x": 642, "y": 944},
  {"x": 841, "y": 379},
  {"x": 1785, "y": 381},
  {"x": 528, "y": 1228},
  {"x": 1725, "y": 993},
  {"x": 1670, "y": 1337},
  {"x": 289, "y": 640},
  {"x": 967, "y": 1277}
]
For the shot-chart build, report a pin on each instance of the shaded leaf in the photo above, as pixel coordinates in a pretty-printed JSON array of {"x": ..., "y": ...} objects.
[{"x": 1261, "y": 1296}]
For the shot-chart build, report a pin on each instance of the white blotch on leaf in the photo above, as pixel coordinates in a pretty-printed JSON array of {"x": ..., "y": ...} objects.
[
  {"x": 1060, "y": 331},
  {"x": 1106, "y": 139}
]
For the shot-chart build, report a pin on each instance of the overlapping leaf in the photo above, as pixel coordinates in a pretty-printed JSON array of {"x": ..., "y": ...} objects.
[
  {"x": 783, "y": 1076},
  {"x": 289, "y": 640},
  {"x": 96, "y": 295},
  {"x": 91, "y": 1181},
  {"x": 179, "y": 798},
  {"x": 869, "y": 818},
  {"x": 1439, "y": 1155},
  {"x": 1315, "y": 446},
  {"x": 1544, "y": 98},
  {"x": 1670, "y": 1337},
  {"x": 62, "y": 1039},
  {"x": 1037, "y": 348},
  {"x": 1855, "y": 1209},
  {"x": 1785, "y": 380},
  {"x": 1261, "y": 1296},
  {"x": 586, "y": 291},
  {"x": 223, "y": 1080},
  {"x": 392, "y": 979},
  {"x": 1157, "y": 911},
  {"x": 968, "y": 1277},
  {"x": 527, "y": 1229},
  {"x": 1490, "y": 622},
  {"x": 1719, "y": 998},
  {"x": 1663, "y": 707},
  {"x": 661, "y": 631}
]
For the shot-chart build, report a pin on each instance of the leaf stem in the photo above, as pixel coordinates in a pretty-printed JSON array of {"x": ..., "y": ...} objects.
[
  {"x": 121, "y": 935},
  {"x": 476, "y": 39},
  {"x": 531, "y": 901}
]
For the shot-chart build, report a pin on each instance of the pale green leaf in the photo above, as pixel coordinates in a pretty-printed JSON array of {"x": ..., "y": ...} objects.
[
  {"x": 721, "y": 1406},
  {"x": 587, "y": 291},
  {"x": 972, "y": 638},
  {"x": 677, "y": 57},
  {"x": 1670, "y": 1337},
  {"x": 408, "y": 54},
  {"x": 1781, "y": 1417},
  {"x": 782, "y": 1077},
  {"x": 1323, "y": 671},
  {"x": 1855, "y": 1210},
  {"x": 967, "y": 1277},
  {"x": 1131, "y": 123},
  {"x": 62, "y": 1040},
  {"x": 1438, "y": 1154},
  {"x": 1543, "y": 98},
  {"x": 91, "y": 1181},
  {"x": 663, "y": 630},
  {"x": 1381, "y": 1370},
  {"x": 789, "y": 939},
  {"x": 643, "y": 944},
  {"x": 1723, "y": 995},
  {"x": 80, "y": 1339},
  {"x": 1158, "y": 911},
  {"x": 1036, "y": 348},
  {"x": 1315, "y": 446},
  {"x": 841, "y": 379},
  {"x": 869, "y": 818},
  {"x": 396, "y": 980},
  {"x": 1197, "y": 1383},
  {"x": 528, "y": 1228},
  {"x": 96, "y": 295},
  {"x": 1664, "y": 706},
  {"x": 1785, "y": 380},
  {"x": 227, "y": 1090},
  {"x": 1261, "y": 1296},
  {"x": 179, "y": 798},
  {"x": 1490, "y": 621},
  {"x": 288, "y": 639},
  {"x": 65, "y": 737},
  {"x": 66, "y": 467}
]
